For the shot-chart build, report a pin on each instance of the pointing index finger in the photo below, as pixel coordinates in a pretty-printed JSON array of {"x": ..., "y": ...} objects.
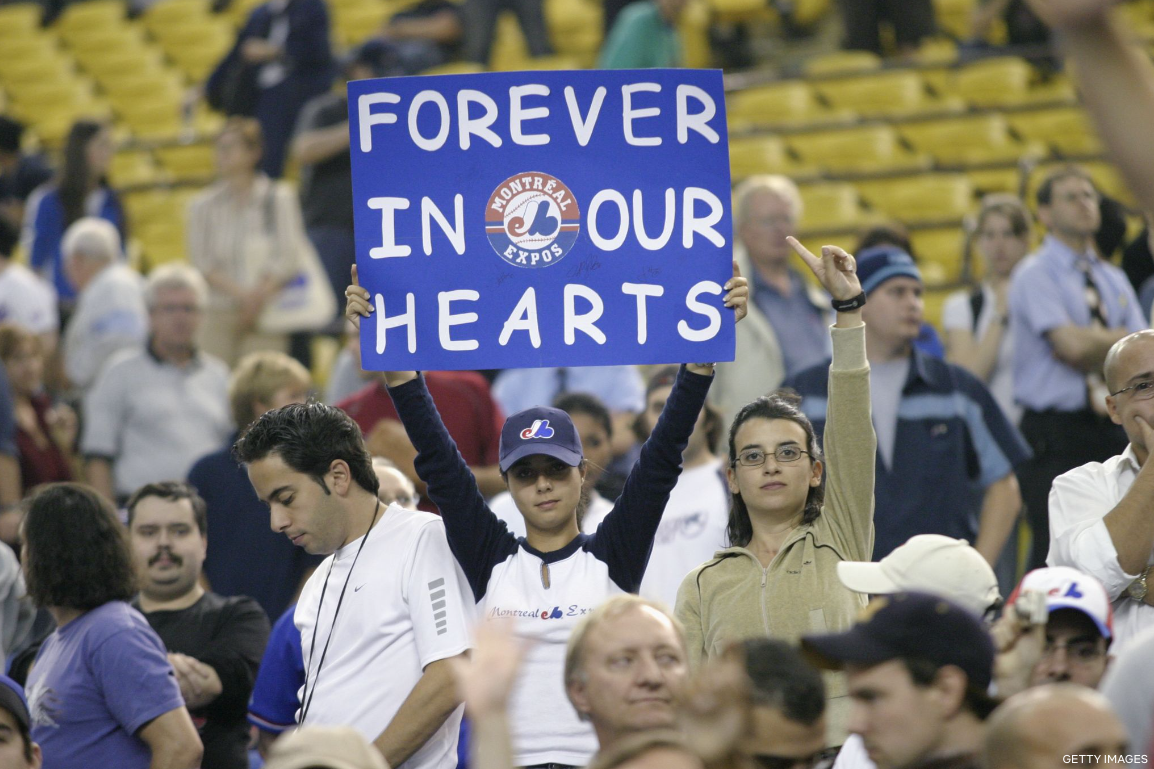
[{"x": 803, "y": 252}]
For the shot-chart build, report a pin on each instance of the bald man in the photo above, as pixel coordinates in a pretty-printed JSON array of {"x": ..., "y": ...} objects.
[
  {"x": 1044, "y": 727},
  {"x": 1099, "y": 512}
]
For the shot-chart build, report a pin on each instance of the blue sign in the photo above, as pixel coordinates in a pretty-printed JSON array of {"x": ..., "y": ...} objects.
[{"x": 528, "y": 219}]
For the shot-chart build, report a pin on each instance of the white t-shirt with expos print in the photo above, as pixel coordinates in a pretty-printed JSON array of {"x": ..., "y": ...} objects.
[
  {"x": 692, "y": 529},
  {"x": 407, "y": 605}
]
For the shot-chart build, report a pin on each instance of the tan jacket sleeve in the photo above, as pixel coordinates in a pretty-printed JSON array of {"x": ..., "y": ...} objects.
[
  {"x": 850, "y": 448},
  {"x": 688, "y": 613}
]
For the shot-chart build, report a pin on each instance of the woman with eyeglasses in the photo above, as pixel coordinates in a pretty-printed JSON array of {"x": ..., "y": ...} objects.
[
  {"x": 548, "y": 579},
  {"x": 790, "y": 524}
]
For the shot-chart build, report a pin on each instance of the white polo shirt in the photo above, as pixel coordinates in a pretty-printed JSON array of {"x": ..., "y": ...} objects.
[
  {"x": 1079, "y": 500},
  {"x": 407, "y": 605}
]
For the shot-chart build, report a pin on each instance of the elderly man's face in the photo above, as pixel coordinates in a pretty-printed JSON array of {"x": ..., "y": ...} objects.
[
  {"x": 768, "y": 219},
  {"x": 175, "y": 317},
  {"x": 633, "y": 664}
]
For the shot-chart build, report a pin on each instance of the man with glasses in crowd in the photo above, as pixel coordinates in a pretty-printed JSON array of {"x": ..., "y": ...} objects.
[
  {"x": 1078, "y": 632},
  {"x": 1100, "y": 520}
]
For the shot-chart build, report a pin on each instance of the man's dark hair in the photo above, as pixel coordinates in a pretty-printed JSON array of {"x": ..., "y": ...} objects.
[
  {"x": 589, "y": 405},
  {"x": 1045, "y": 192},
  {"x": 309, "y": 437},
  {"x": 77, "y": 551},
  {"x": 172, "y": 491},
  {"x": 894, "y": 234},
  {"x": 782, "y": 679},
  {"x": 923, "y": 672},
  {"x": 783, "y": 404}
]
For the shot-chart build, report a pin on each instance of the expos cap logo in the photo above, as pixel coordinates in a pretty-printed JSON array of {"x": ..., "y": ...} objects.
[
  {"x": 540, "y": 429},
  {"x": 532, "y": 220}
]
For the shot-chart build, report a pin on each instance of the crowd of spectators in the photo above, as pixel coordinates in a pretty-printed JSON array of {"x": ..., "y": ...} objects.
[{"x": 806, "y": 557}]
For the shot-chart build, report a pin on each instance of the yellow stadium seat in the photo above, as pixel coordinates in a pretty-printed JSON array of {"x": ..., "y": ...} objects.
[
  {"x": 787, "y": 103},
  {"x": 175, "y": 13},
  {"x": 20, "y": 20},
  {"x": 939, "y": 251},
  {"x": 694, "y": 32},
  {"x": 965, "y": 140},
  {"x": 750, "y": 155},
  {"x": 988, "y": 180},
  {"x": 188, "y": 162},
  {"x": 934, "y": 299},
  {"x": 91, "y": 16},
  {"x": 18, "y": 51},
  {"x": 132, "y": 168},
  {"x": 927, "y": 198},
  {"x": 355, "y": 25},
  {"x": 886, "y": 94},
  {"x": 509, "y": 51},
  {"x": 954, "y": 16},
  {"x": 122, "y": 63},
  {"x": 162, "y": 243},
  {"x": 31, "y": 72},
  {"x": 865, "y": 149},
  {"x": 843, "y": 62},
  {"x": 1068, "y": 130},
  {"x": 830, "y": 205},
  {"x": 1002, "y": 81},
  {"x": 737, "y": 11},
  {"x": 937, "y": 51},
  {"x": 152, "y": 120}
]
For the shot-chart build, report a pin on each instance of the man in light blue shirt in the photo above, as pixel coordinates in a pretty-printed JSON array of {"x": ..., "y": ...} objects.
[{"x": 1067, "y": 308}]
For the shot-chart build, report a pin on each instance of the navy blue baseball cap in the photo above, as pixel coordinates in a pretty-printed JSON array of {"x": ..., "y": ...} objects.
[
  {"x": 910, "y": 626},
  {"x": 540, "y": 430},
  {"x": 878, "y": 264},
  {"x": 12, "y": 699}
]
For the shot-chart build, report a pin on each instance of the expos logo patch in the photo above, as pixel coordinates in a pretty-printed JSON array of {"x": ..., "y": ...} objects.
[
  {"x": 540, "y": 429},
  {"x": 532, "y": 219}
]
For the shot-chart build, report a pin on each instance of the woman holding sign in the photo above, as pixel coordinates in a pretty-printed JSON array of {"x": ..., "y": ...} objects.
[
  {"x": 787, "y": 536},
  {"x": 553, "y": 576}
]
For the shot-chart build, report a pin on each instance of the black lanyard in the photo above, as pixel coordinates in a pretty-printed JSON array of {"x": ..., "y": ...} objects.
[{"x": 306, "y": 699}]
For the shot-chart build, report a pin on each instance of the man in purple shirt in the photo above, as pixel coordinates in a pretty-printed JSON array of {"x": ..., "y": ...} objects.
[
  {"x": 1068, "y": 306},
  {"x": 101, "y": 690}
]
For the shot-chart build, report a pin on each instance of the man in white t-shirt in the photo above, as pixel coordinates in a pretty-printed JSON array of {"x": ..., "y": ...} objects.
[
  {"x": 384, "y": 614},
  {"x": 110, "y": 313},
  {"x": 25, "y": 297},
  {"x": 693, "y": 525}
]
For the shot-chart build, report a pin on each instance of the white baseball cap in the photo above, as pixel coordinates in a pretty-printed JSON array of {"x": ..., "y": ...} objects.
[
  {"x": 330, "y": 747},
  {"x": 1067, "y": 588},
  {"x": 928, "y": 563}
]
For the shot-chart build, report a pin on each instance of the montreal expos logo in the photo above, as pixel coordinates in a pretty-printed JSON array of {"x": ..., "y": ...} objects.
[
  {"x": 540, "y": 429},
  {"x": 532, "y": 220}
]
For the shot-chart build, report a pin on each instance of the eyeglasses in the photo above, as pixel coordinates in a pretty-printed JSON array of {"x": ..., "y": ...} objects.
[
  {"x": 757, "y": 457},
  {"x": 1141, "y": 391},
  {"x": 823, "y": 759},
  {"x": 1076, "y": 651}
]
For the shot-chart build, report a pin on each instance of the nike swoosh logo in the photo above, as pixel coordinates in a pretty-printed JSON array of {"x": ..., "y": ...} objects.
[{"x": 357, "y": 589}]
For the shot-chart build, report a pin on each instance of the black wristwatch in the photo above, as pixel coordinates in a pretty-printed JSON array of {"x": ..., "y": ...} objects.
[{"x": 849, "y": 305}]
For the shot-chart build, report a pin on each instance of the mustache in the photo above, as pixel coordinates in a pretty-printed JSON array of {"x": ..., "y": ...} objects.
[{"x": 166, "y": 552}]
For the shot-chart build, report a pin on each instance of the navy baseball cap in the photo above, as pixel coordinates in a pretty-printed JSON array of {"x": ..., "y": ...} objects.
[
  {"x": 878, "y": 264},
  {"x": 12, "y": 699},
  {"x": 912, "y": 626},
  {"x": 540, "y": 430}
]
